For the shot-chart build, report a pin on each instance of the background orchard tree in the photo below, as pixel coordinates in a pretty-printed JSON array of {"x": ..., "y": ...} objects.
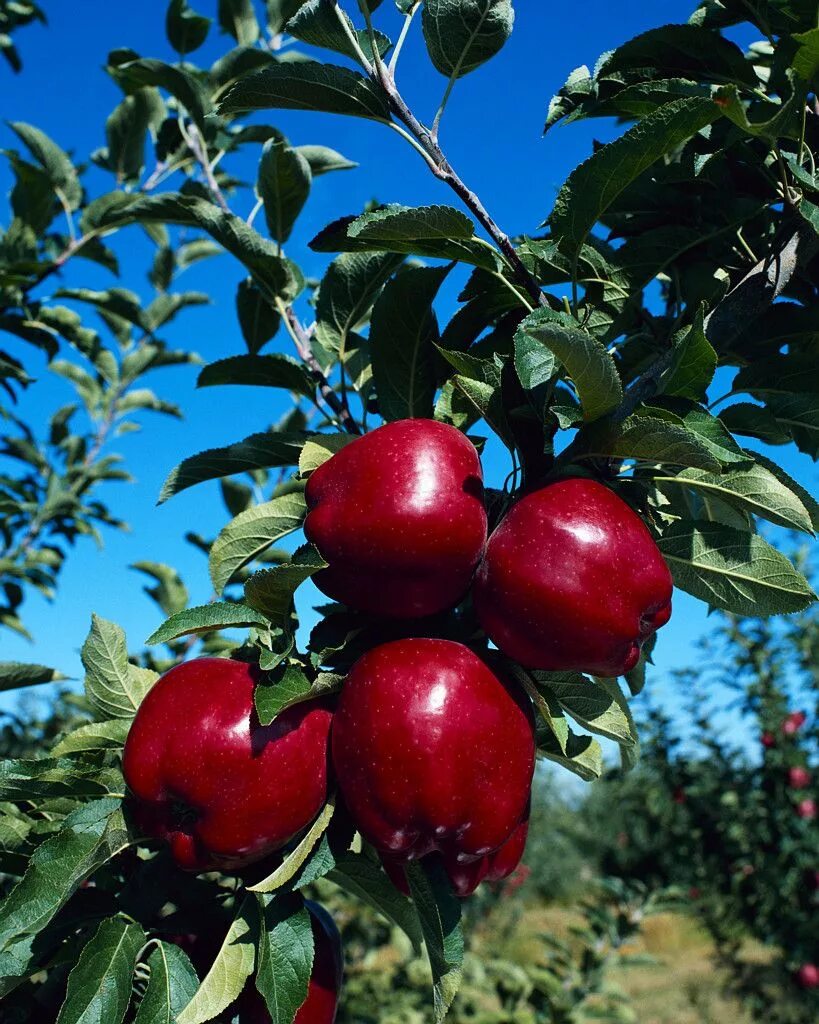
[
  {"x": 736, "y": 834},
  {"x": 559, "y": 349}
]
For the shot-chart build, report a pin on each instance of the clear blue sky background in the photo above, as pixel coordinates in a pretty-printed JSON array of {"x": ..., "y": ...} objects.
[{"x": 493, "y": 135}]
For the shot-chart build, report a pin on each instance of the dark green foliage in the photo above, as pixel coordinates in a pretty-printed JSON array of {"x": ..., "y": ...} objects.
[
  {"x": 727, "y": 826},
  {"x": 558, "y": 345}
]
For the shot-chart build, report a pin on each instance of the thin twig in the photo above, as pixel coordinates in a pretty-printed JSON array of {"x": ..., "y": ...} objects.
[
  {"x": 301, "y": 340},
  {"x": 444, "y": 171},
  {"x": 396, "y": 53},
  {"x": 197, "y": 145}
]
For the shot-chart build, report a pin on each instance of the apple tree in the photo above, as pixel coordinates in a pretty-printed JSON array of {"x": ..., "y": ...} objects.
[{"x": 157, "y": 868}]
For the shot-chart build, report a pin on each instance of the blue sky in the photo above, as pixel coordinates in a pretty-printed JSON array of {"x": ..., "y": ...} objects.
[{"x": 492, "y": 133}]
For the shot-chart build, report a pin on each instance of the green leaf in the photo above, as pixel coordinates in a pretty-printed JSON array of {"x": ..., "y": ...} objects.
[
  {"x": 366, "y": 880},
  {"x": 403, "y": 333},
  {"x": 55, "y": 162},
  {"x": 755, "y": 421},
  {"x": 437, "y": 232},
  {"x": 535, "y": 363},
  {"x": 125, "y": 132},
  {"x": 15, "y": 674},
  {"x": 486, "y": 397},
  {"x": 89, "y": 837},
  {"x": 693, "y": 364},
  {"x": 648, "y": 440},
  {"x": 294, "y": 860},
  {"x": 271, "y": 590},
  {"x": 586, "y": 360},
  {"x": 113, "y": 686},
  {"x": 43, "y": 778},
  {"x": 170, "y": 593},
  {"x": 738, "y": 572},
  {"x": 181, "y": 84},
  {"x": 547, "y": 706},
  {"x": 230, "y": 970},
  {"x": 99, "y": 986},
  {"x": 251, "y": 533},
  {"x": 463, "y": 34},
  {"x": 583, "y": 755},
  {"x": 810, "y": 503},
  {"x": 322, "y": 23},
  {"x": 799, "y": 413},
  {"x": 319, "y": 448},
  {"x": 783, "y": 374},
  {"x": 292, "y": 688},
  {"x": 205, "y": 619},
  {"x": 346, "y": 296},
  {"x": 258, "y": 320},
  {"x": 600, "y": 710},
  {"x": 186, "y": 30},
  {"x": 806, "y": 59},
  {"x": 688, "y": 51},
  {"x": 710, "y": 432},
  {"x": 286, "y": 951},
  {"x": 756, "y": 490},
  {"x": 274, "y": 371},
  {"x": 238, "y": 19},
  {"x": 276, "y": 276},
  {"x": 283, "y": 184},
  {"x": 259, "y": 451},
  {"x": 439, "y": 914},
  {"x": 95, "y": 736},
  {"x": 592, "y": 188},
  {"x": 307, "y": 86},
  {"x": 172, "y": 983},
  {"x": 323, "y": 160}
]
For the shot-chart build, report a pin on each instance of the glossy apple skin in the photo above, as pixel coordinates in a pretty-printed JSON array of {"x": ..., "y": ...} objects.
[
  {"x": 400, "y": 517},
  {"x": 323, "y": 992},
  {"x": 433, "y": 754},
  {"x": 221, "y": 789},
  {"x": 466, "y": 877},
  {"x": 572, "y": 580}
]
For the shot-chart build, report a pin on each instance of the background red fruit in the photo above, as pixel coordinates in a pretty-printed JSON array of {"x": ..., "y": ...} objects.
[
  {"x": 433, "y": 752},
  {"x": 399, "y": 515},
  {"x": 572, "y": 579},
  {"x": 223, "y": 790},
  {"x": 321, "y": 1003},
  {"x": 794, "y": 722},
  {"x": 806, "y": 809},
  {"x": 768, "y": 740},
  {"x": 798, "y": 778},
  {"x": 808, "y": 976}
]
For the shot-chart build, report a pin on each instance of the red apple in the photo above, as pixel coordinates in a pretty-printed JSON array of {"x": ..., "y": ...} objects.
[
  {"x": 806, "y": 809},
  {"x": 793, "y": 723},
  {"x": 572, "y": 579},
  {"x": 221, "y": 789},
  {"x": 325, "y": 981},
  {"x": 808, "y": 976},
  {"x": 435, "y": 754},
  {"x": 399, "y": 516},
  {"x": 768, "y": 740},
  {"x": 798, "y": 778},
  {"x": 466, "y": 877}
]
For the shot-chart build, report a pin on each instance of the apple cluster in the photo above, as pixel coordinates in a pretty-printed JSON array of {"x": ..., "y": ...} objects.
[{"x": 430, "y": 743}]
